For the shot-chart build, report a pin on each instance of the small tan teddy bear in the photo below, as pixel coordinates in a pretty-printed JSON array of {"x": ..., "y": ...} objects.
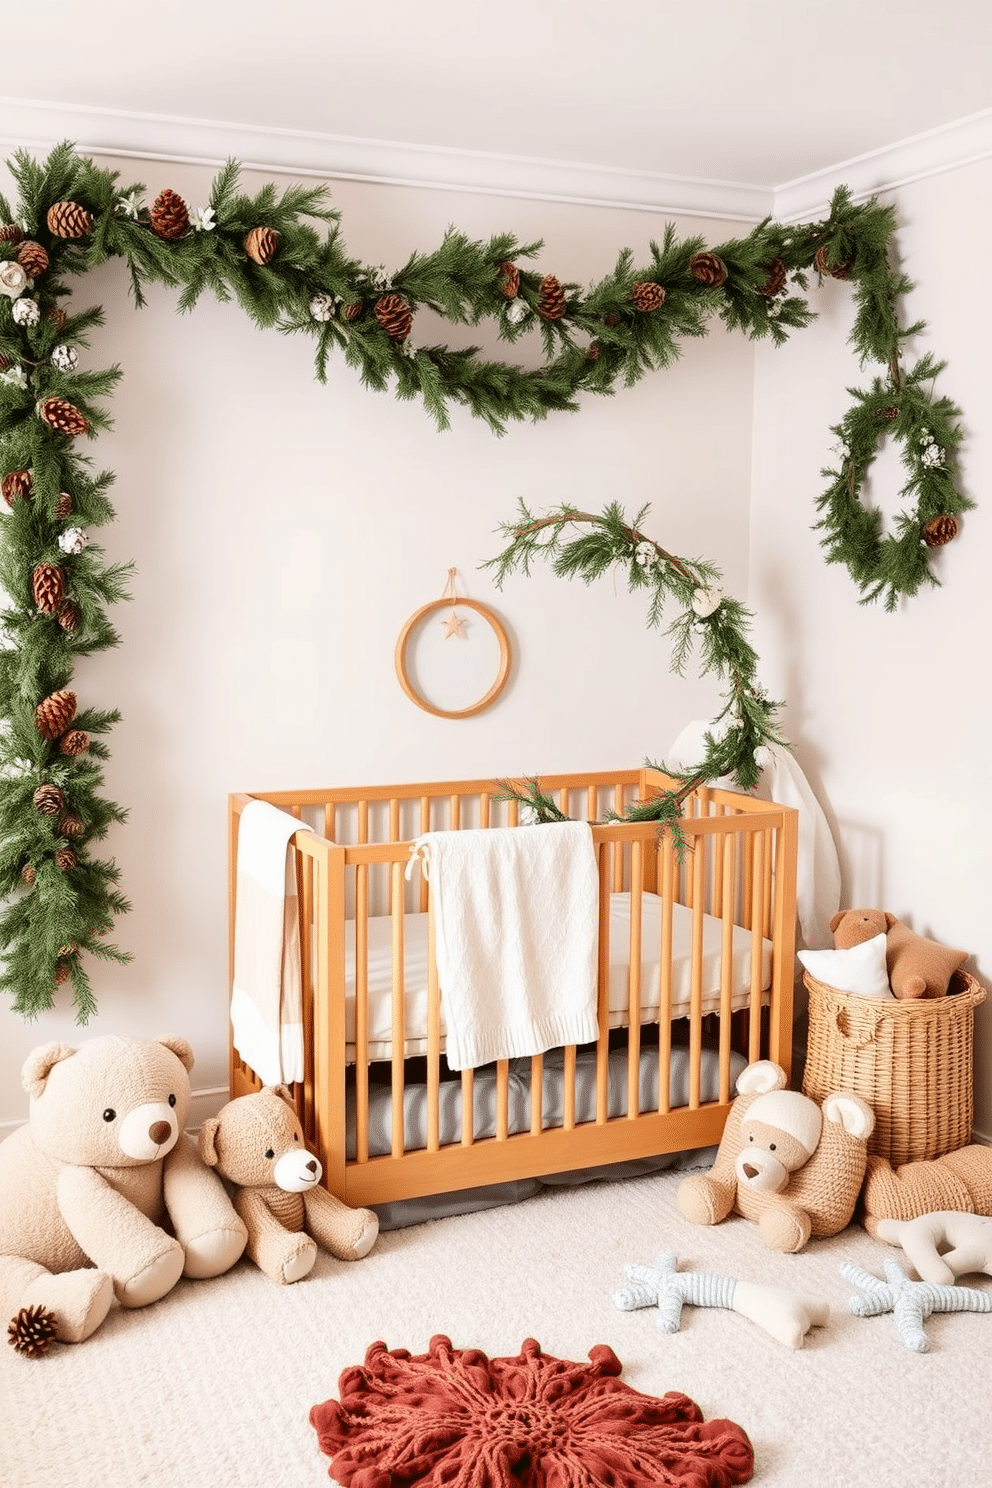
[
  {"x": 917, "y": 966},
  {"x": 792, "y": 1166},
  {"x": 256, "y": 1143}
]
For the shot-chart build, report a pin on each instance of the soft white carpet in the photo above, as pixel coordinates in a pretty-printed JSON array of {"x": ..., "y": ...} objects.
[{"x": 211, "y": 1387}]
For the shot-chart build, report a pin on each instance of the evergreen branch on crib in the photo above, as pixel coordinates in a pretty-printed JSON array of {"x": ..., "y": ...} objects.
[
  {"x": 584, "y": 545},
  {"x": 281, "y": 256}
]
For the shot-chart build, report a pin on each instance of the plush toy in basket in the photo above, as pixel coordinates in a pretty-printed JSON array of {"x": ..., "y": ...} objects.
[
  {"x": 256, "y": 1143},
  {"x": 878, "y": 956},
  {"x": 790, "y": 1164},
  {"x": 101, "y": 1192}
]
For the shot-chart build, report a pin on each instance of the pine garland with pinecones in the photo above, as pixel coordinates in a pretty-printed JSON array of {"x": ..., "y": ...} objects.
[{"x": 281, "y": 256}]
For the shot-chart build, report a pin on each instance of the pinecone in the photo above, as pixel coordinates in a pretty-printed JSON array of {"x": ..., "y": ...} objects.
[
  {"x": 48, "y": 587},
  {"x": 31, "y": 1332},
  {"x": 48, "y": 799},
  {"x": 552, "y": 300},
  {"x": 67, "y": 219},
  {"x": 169, "y": 215},
  {"x": 32, "y": 258},
  {"x": 509, "y": 280},
  {"x": 592, "y": 351},
  {"x": 708, "y": 268},
  {"x": 63, "y": 505},
  {"x": 58, "y": 317},
  {"x": 76, "y": 741},
  {"x": 29, "y": 874},
  {"x": 261, "y": 244},
  {"x": 940, "y": 530},
  {"x": 65, "y": 859},
  {"x": 353, "y": 310},
  {"x": 5, "y": 362},
  {"x": 69, "y": 616},
  {"x": 63, "y": 416},
  {"x": 55, "y": 712},
  {"x": 10, "y": 232},
  {"x": 68, "y": 949},
  {"x": 821, "y": 262},
  {"x": 647, "y": 295},
  {"x": 61, "y": 973},
  {"x": 611, "y": 318},
  {"x": 17, "y": 483},
  {"x": 777, "y": 275},
  {"x": 890, "y": 413},
  {"x": 70, "y": 826},
  {"x": 394, "y": 315}
]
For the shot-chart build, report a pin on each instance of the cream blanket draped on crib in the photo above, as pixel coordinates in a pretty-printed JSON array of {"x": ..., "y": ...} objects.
[{"x": 516, "y": 913}]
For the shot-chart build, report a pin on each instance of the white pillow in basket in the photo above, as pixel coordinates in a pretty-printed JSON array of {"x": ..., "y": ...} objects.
[{"x": 857, "y": 968}]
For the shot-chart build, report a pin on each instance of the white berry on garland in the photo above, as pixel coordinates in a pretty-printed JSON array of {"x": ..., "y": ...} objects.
[
  {"x": 322, "y": 307},
  {"x": 13, "y": 279},
  {"x": 645, "y": 554},
  {"x": 25, "y": 312},
  {"x": 516, "y": 311},
  {"x": 202, "y": 219},
  {"x": 14, "y": 377},
  {"x": 73, "y": 540},
  {"x": 706, "y": 600},
  {"x": 65, "y": 358}
]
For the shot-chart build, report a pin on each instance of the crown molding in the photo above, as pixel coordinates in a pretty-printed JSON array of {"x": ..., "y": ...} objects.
[
  {"x": 961, "y": 143},
  {"x": 37, "y": 126},
  {"x": 26, "y": 124}
]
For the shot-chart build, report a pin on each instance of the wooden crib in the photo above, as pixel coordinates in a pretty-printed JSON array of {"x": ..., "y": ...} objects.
[{"x": 696, "y": 961}]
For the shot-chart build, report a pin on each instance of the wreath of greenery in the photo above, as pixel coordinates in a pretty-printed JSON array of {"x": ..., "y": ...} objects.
[{"x": 281, "y": 257}]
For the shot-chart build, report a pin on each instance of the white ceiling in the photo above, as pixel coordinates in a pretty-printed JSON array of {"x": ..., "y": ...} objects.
[{"x": 753, "y": 93}]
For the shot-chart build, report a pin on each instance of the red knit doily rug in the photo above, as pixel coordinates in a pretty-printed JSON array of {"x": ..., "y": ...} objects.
[{"x": 454, "y": 1418}]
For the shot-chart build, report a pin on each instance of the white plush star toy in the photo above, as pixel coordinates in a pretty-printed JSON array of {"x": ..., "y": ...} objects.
[{"x": 943, "y": 1245}]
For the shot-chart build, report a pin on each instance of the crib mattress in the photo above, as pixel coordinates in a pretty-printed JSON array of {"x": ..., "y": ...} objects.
[
  {"x": 552, "y": 1096},
  {"x": 380, "y": 972}
]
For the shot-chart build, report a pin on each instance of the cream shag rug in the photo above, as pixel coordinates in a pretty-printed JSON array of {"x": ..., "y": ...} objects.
[{"x": 212, "y": 1387}]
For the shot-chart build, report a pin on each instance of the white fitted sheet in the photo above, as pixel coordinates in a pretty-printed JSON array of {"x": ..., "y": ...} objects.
[{"x": 380, "y": 971}]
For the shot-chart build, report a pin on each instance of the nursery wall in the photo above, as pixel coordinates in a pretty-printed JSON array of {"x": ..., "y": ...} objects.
[
  {"x": 891, "y": 713},
  {"x": 284, "y": 532}
]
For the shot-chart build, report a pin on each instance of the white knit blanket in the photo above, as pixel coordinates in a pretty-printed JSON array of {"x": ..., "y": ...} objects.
[
  {"x": 516, "y": 913},
  {"x": 266, "y": 1000}
]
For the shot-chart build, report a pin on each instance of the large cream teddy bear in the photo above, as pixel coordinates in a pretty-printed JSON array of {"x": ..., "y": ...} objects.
[
  {"x": 256, "y": 1143},
  {"x": 792, "y": 1166},
  {"x": 101, "y": 1193}
]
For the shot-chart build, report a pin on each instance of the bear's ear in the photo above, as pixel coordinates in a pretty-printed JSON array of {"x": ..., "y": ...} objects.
[
  {"x": 208, "y": 1141},
  {"x": 761, "y": 1077},
  {"x": 851, "y": 1112},
  {"x": 38, "y": 1066},
  {"x": 836, "y": 918},
  {"x": 890, "y": 920},
  {"x": 179, "y": 1047}
]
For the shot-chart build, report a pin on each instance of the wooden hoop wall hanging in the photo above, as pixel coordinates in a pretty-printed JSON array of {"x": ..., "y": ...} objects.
[{"x": 450, "y": 600}]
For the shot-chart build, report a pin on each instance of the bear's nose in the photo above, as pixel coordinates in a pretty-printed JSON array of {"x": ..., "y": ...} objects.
[
  {"x": 311, "y": 1166},
  {"x": 750, "y": 1171},
  {"x": 159, "y": 1132}
]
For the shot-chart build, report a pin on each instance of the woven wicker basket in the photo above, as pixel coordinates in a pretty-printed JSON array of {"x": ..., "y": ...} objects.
[{"x": 912, "y": 1061}]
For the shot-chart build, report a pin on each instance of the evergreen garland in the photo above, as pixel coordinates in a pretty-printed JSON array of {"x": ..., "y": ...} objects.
[{"x": 281, "y": 257}]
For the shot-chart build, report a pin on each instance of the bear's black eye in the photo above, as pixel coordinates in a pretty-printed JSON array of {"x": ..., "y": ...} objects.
[
  {"x": 269, "y": 1152},
  {"x": 172, "y": 1100},
  {"x": 109, "y": 1114},
  {"x": 296, "y": 1136},
  {"x": 771, "y": 1146},
  {"x": 750, "y": 1136}
]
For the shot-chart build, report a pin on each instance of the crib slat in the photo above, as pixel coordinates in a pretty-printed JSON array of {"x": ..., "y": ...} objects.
[
  {"x": 757, "y": 858},
  {"x": 603, "y": 857},
  {"x": 399, "y": 1009},
  {"x": 727, "y": 858},
  {"x": 665, "y": 997},
  {"x": 634, "y": 986},
  {"x": 696, "y": 972},
  {"x": 362, "y": 1013},
  {"x": 502, "y": 1099},
  {"x": 536, "y": 1095},
  {"x": 568, "y": 1118},
  {"x": 468, "y": 1108},
  {"x": 433, "y": 1038}
]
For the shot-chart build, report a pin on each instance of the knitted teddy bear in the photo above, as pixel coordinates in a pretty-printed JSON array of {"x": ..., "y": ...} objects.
[
  {"x": 916, "y": 966},
  {"x": 101, "y": 1192},
  {"x": 256, "y": 1143},
  {"x": 960, "y": 1180},
  {"x": 792, "y": 1166}
]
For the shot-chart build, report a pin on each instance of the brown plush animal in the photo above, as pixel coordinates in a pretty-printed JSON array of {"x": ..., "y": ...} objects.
[
  {"x": 792, "y": 1166},
  {"x": 959, "y": 1180},
  {"x": 256, "y": 1143},
  {"x": 917, "y": 966}
]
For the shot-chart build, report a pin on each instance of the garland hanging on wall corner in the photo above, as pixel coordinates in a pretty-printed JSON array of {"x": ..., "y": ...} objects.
[{"x": 282, "y": 259}]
